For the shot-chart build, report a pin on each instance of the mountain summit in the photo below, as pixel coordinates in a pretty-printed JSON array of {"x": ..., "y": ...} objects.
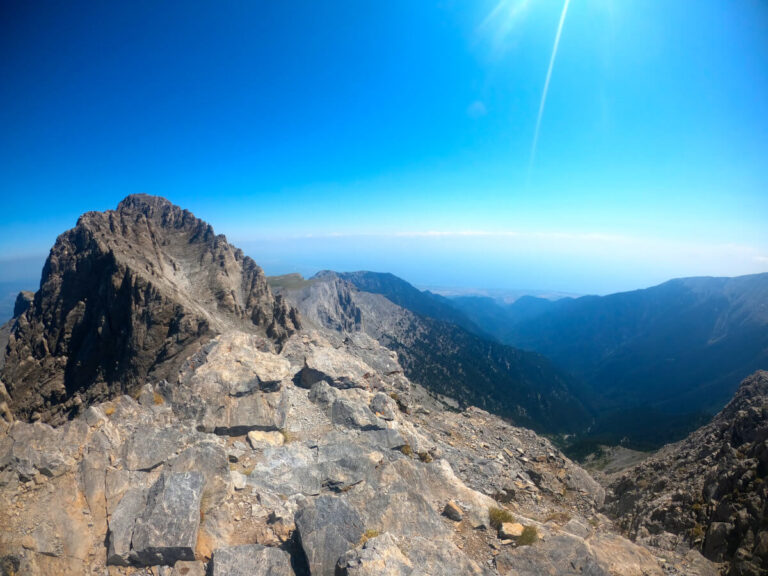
[{"x": 124, "y": 296}]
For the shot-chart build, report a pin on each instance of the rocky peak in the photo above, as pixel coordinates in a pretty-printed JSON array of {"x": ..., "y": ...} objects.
[{"x": 126, "y": 295}]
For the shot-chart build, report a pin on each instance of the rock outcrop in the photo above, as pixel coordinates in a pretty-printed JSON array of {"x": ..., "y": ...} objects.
[
  {"x": 708, "y": 491},
  {"x": 125, "y": 296}
]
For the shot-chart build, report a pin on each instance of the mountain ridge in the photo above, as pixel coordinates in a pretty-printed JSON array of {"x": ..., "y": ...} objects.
[
  {"x": 677, "y": 348},
  {"x": 125, "y": 294},
  {"x": 443, "y": 357}
]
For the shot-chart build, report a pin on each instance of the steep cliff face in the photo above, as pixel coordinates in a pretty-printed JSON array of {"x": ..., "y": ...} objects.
[
  {"x": 125, "y": 296},
  {"x": 709, "y": 490}
]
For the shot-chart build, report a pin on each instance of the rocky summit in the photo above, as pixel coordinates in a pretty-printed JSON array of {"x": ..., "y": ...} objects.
[
  {"x": 708, "y": 491},
  {"x": 124, "y": 296},
  {"x": 214, "y": 435}
]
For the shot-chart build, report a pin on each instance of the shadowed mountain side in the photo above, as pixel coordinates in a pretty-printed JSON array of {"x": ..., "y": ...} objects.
[
  {"x": 676, "y": 348},
  {"x": 124, "y": 296},
  {"x": 444, "y": 357}
]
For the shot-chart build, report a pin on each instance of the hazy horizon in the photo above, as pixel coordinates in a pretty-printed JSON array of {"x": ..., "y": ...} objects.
[{"x": 586, "y": 147}]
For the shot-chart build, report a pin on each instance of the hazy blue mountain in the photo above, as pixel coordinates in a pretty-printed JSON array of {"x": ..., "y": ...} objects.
[
  {"x": 497, "y": 319},
  {"x": 652, "y": 361}
]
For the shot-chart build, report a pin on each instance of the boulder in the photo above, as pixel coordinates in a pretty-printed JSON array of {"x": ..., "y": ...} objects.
[
  {"x": 121, "y": 524},
  {"x": 259, "y": 438},
  {"x": 327, "y": 527},
  {"x": 351, "y": 414},
  {"x": 716, "y": 542},
  {"x": 250, "y": 560},
  {"x": 383, "y": 406},
  {"x": 337, "y": 368},
  {"x": 453, "y": 512},
  {"x": 510, "y": 530},
  {"x": 167, "y": 529}
]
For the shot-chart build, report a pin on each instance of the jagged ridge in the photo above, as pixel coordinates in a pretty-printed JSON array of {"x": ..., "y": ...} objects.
[{"x": 124, "y": 296}]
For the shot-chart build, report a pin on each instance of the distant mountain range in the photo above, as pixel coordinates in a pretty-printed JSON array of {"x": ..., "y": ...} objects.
[{"x": 648, "y": 360}]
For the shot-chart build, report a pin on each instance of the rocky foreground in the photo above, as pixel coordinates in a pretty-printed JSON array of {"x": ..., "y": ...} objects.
[{"x": 322, "y": 459}]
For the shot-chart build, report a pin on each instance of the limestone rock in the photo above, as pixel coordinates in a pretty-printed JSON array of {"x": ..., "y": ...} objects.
[
  {"x": 379, "y": 556},
  {"x": 328, "y": 527},
  {"x": 167, "y": 529},
  {"x": 511, "y": 530},
  {"x": 258, "y": 439},
  {"x": 121, "y": 524},
  {"x": 251, "y": 560},
  {"x": 453, "y": 511}
]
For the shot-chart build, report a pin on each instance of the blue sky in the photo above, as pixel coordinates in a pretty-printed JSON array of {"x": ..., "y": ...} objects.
[{"x": 397, "y": 136}]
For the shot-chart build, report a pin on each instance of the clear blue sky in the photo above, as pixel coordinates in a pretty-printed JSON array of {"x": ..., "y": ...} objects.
[{"x": 397, "y": 135}]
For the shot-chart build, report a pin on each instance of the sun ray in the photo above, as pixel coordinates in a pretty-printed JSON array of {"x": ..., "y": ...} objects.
[{"x": 543, "y": 101}]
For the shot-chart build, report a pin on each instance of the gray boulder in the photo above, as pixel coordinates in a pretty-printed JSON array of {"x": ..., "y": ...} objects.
[
  {"x": 379, "y": 556},
  {"x": 351, "y": 414},
  {"x": 121, "y": 524},
  {"x": 251, "y": 560},
  {"x": 167, "y": 529},
  {"x": 328, "y": 527}
]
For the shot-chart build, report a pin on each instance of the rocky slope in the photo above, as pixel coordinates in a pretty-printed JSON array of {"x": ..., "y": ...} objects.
[
  {"x": 126, "y": 295},
  {"x": 322, "y": 459},
  {"x": 709, "y": 490},
  {"x": 442, "y": 356}
]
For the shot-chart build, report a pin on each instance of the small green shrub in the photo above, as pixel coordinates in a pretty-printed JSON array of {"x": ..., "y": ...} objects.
[
  {"x": 425, "y": 456},
  {"x": 367, "y": 535},
  {"x": 697, "y": 532},
  {"x": 529, "y": 536},
  {"x": 406, "y": 449},
  {"x": 499, "y": 516}
]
